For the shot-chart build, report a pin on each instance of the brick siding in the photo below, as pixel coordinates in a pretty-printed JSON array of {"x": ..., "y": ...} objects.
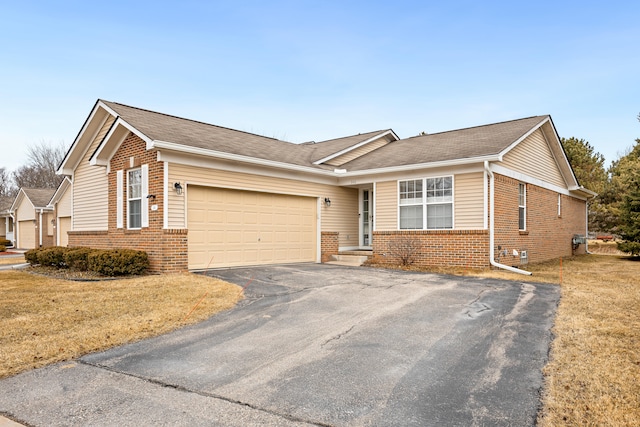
[
  {"x": 329, "y": 245},
  {"x": 167, "y": 248}
]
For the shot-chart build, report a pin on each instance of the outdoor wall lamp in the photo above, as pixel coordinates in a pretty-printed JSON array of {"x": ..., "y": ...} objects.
[
  {"x": 327, "y": 202},
  {"x": 178, "y": 188},
  {"x": 151, "y": 196}
]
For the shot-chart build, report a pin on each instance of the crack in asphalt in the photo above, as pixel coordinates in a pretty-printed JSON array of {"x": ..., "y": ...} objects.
[
  {"x": 204, "y": 394},
  {"x": 337, "y": 337}
]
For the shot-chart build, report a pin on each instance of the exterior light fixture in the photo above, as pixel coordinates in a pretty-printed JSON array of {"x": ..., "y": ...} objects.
[
  {"x": 327, "y": 202},
  {"x": 178, "y": 188}
]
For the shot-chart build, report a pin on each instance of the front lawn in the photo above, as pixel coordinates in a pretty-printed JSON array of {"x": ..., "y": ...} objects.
[{"x": 45, "y": 320}]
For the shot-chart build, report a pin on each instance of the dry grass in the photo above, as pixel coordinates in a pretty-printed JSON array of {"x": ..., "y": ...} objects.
[
  {"x": 45, "y": 320},
  {"x": 593, "y": 377},
  {"x": 7, "y": 260}
]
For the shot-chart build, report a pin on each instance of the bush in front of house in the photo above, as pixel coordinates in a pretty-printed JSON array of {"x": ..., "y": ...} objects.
[
  {"x": 78, "y": 258},
  {"x": 118, "y": 262},
  {"x": 3, "y": 248},
  {"x": 31, "y": 256},
  {"x": 5, "y": 243},
  {"x": 52, "y": 257}
]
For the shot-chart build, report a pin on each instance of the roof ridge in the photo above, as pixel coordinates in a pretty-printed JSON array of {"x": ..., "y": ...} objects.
[
  {"x": 476, "y": 127},
  {"x": 192, "y": 120},
  {"x": 350, "y": 136}
]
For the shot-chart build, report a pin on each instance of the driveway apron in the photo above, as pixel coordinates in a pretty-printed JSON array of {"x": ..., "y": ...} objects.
[{"x": 318, "y": 345}]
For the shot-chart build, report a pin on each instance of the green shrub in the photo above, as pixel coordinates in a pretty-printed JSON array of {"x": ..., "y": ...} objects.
[
  {"x": 5, "y": 242},
  {"x": 53, "y": 257},
  {"x": 78, "y": 258},
  {"x": 31, "y": 256},
  {"x": 118, "y": 262}
]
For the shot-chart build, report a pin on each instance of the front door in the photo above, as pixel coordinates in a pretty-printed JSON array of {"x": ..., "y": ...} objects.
[{"x": 366, "y": 217}]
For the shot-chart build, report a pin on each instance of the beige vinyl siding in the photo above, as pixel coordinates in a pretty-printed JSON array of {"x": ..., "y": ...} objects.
[
  {"x": 64, "y": 204},
  {"x": 341, "y": 216},
  {"x": 386, "y": 200},
  {"x": 64, "y": 225},
  {"x": 533, "y": 157},
  {"x": 360, "y": 151},
  {"x": 468, "y": 201},
  {"x": 25, "y": 210},
  {"x": 91, "y": 190}
]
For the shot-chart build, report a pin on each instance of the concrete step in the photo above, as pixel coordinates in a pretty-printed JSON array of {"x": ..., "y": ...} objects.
[
  {"x": 364, "y": 252},
  {"x": 349, "y": 259}
]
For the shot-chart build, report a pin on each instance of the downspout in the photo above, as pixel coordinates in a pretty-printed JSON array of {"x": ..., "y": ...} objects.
[
  {"x": 40, "y": 227},
  {"x": 492, "y": 226}
]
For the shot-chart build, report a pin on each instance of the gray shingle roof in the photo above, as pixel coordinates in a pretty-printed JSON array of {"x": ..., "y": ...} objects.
[
  {"x": 40, "y": 197},
  {"x": 460, "y": 144}
]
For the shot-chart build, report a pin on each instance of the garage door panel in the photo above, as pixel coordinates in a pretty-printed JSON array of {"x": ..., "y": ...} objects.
[
  {"x": 249, "y": 228},
  {"x": 26, "y": 234}
]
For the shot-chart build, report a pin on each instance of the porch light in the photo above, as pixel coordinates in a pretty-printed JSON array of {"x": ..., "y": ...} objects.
[
  {"x": 178, "y": 188},
  {"x": 327, "y": 202}
]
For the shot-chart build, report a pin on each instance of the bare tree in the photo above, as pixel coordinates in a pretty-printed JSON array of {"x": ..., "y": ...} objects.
[
  {"x": 40, "y": 172},
  {"x": 7, "y": 189}
]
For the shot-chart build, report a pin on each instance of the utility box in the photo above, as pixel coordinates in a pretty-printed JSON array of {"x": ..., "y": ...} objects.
[{"x": 578, "y": 239}]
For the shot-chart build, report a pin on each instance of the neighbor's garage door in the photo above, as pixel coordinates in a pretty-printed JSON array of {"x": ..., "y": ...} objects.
[
  {"x": 64, "y": 225},
  {"x": 234, "y": 228},
  {"x": 26, "y": 234}
]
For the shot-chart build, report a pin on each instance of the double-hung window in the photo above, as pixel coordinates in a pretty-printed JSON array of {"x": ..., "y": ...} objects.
[
  {"x": 134, "y": 198},
  {"x": 522, "y": 207},
  {"x": 426, "y": 203}
]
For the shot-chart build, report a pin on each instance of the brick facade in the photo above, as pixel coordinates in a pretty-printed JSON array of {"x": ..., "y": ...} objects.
[
  {"x": 452, "y": 248},
  {"x": 167, "y": 249},
  {"x": 328, "y": 245},
  {"x": 547, "y": 235}
]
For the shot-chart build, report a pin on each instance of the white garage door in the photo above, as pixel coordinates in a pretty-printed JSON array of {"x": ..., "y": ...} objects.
[
  {"x": 26, "y": 234},
  {"x": 234, "y": 228},
  {"x": 64, "y": 225}
]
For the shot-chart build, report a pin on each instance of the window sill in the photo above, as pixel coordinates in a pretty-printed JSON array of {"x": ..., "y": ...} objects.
[{"x": 524, "y": 232}]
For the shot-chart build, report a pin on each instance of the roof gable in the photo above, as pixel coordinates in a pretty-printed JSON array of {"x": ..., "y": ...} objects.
[{"x": 39, "y": 198}]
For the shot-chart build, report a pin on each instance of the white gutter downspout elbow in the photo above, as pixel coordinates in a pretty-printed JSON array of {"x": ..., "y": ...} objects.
[{"x": 492, "y": 226}]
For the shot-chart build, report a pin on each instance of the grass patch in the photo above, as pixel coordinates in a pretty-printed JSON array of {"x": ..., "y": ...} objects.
[
  {"x": 45, "y": 320},
  {"x": 8, "y": 260},
  {"x": 593, "y": 375}
]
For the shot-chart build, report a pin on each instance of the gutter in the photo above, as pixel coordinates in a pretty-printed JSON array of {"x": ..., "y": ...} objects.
[{"x": 492, "y": 260}]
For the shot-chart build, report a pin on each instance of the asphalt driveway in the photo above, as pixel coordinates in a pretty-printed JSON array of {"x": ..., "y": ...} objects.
[{"x": 318, "y": 345}]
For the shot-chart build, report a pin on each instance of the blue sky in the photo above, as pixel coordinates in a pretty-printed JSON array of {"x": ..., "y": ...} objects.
[{"x": 315, "y": 70}]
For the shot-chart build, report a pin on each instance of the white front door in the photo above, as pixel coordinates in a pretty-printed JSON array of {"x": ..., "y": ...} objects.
[{"x": 366, "y": 217}]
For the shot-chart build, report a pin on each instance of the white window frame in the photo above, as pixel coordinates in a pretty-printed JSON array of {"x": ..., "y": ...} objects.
[
  {"x": 133, "y": 199},
  {"x": 424, "y": 203},
  {"x": 522, "y": 206}
]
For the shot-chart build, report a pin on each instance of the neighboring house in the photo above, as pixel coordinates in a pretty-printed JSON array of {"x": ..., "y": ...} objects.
[
  {"x": 6, "y": 219},
  {"x": 61, "y": 204},
  {"x": 34, "y": 223},
  {"x": 195, "y": 195}
]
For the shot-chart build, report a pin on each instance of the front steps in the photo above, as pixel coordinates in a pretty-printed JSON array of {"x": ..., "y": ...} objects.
[{"x": 350, "y": 258}]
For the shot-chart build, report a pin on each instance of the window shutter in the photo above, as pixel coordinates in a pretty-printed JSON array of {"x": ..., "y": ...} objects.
[
  {"x": 145, "y": 193},
  {"x": 119, "y": 198}
]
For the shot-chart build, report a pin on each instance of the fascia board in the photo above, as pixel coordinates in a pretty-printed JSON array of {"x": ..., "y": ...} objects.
[
  {"x": 358, "y": 145},
  {"x": 112, "y": 141},
  {"x": 16, "y": 202},
  {"x": 522, "y": 138},
  {"x": 559, "y": 151},
  {"x": 159, "y": 145},
  {"x": 75, "y": 153},
  {"x": 431, "y": 165},
  {"x": 62, "y": 188}
]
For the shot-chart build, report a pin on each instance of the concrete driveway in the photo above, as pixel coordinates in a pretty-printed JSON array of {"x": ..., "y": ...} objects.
[{"x": 318, "y": 345}]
